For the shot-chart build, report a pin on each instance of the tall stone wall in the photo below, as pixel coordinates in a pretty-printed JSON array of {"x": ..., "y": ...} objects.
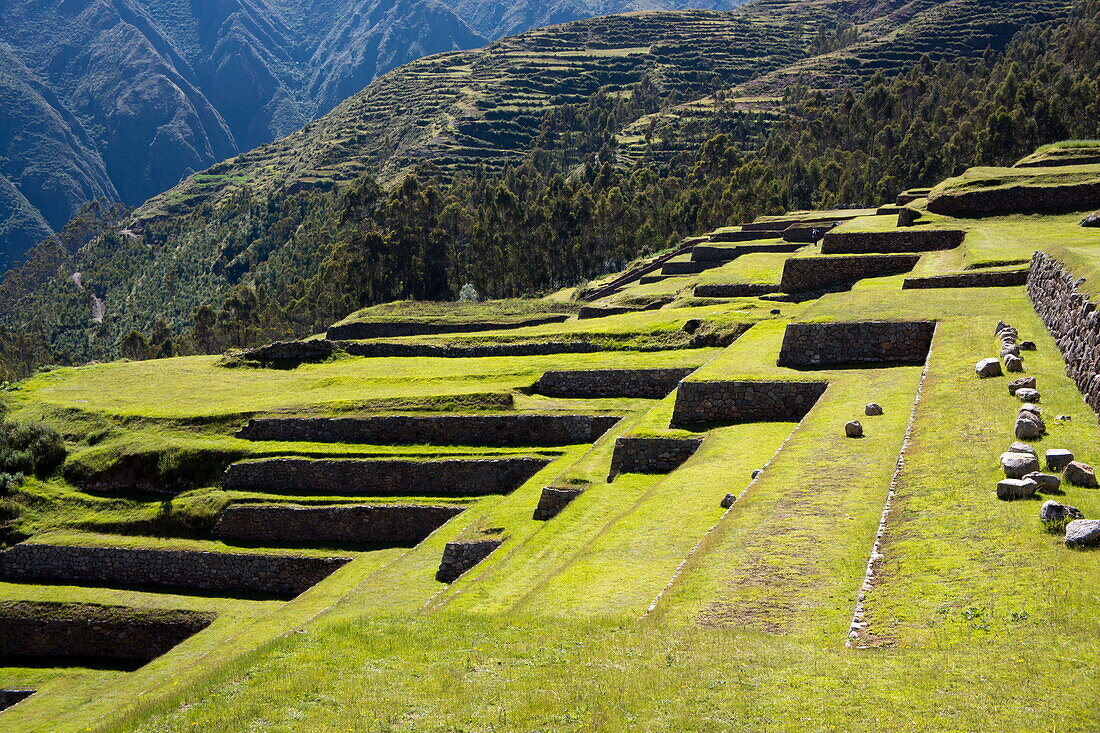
[
  {"x": 651, "y": 383},
  {"x": 999, "y": 279},
  {"x": 185, "y": 569},
  {"x": 891, "y": 342},
  {"x": 701, "y": 403},
  {"x": 651, "y": 455},
  {"x": 1072, "y": 320},
  {"x": 458, "y": 557},
  {"x": 491, "y": 430},
  {"x": 396, "y": 524},
  {"x": 90, "y": 630},
  {"x": 816, "y": 273},
  {"x": 885, "y": 242},
  {"x": 353, "y": 477}
]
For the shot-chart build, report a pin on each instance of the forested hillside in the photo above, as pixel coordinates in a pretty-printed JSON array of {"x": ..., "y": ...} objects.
[{"x": 262, "y": 266}]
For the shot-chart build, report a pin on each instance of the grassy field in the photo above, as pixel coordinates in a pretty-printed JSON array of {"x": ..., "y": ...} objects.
[{"x": 644, "y": 605}]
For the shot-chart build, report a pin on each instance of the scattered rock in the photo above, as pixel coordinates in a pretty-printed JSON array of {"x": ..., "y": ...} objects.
[
  {"x": 1016, "y": 488},
  {"x": 1029, "y": 426},
  {"x": 1083, "y": 533},
  {"x": 692, "y": 325},
  {"x": 756, "y": 472},
  {"x": 776, "y": 311},
  {"x": 1032, "y": 408},
  {"x": 853, "y": 429},
  {"x": 1019, "y": 447},
  {"x": 1027, "y": 346},
  {"x": 988, "y": 368},
  {"x": 1028, "y": 394},
  {"x": 1047, "y": 484},
  {"x": 1018, "y": 465},
  {"x": 1092, "y": 220},
  {"x": 873, "y": 409},
  {"x": 1014, "y": 363},
  {"x": 1010, "y": 350},
  {"x": 728, "y": 500},
  {"x": 1081, "y": 474},
  {"x": 1001, "y": 325},
  {"x": 1063, "y": 418},
  {"x": 1052, "y": 511},
  {"x": 1021, "y": 383},
  {"x": 1058, "y": 458}
]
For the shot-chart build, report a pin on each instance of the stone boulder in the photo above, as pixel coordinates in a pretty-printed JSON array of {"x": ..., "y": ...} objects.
[
  {"x": 1018, "y": 465},
  {"x": 1001, "y": 325},
  {"x": 1092, "y": 220},
  {"x": 1083, "y": 533},
  {"x": 1048, "y": 484},
  {"x": 1052, "y": 511},
  {"x": 728, "y": 500},
  {"x": 1021, "y": 383},
  {"x": 853, "y": 429},
  {"x": 1027, "y": 394},
  {"x": 1014, "y": 364},
  {"x": 1019, "y": 447},
  {"x": 1029, "y": 426},
  {"x": 1009, "y": 350},
  {"x": 873, "y": 409},
  {"x": 692, "y": 325},
  {"x": 1027, "y": 346},
  {"x": 1031, "y": 408},
  {"x": 1058, "y": 458},
  {"x": 988, "y": 368},
  {"x": 1012, "y": 489},
  {"x": 1081, "y": 474}
]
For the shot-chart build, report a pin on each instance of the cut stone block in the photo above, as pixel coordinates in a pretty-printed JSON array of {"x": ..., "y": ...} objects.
[
  {"x": 1018, "y": 465},
  {"x": 1011, "y": 489},
  {"x": 1048, "y": 484},
  {"x": 988, "y": 368},
  {"x": 1083, "y": 533},
  {"x": 1081, "y": 474},
  {"x": 1058, "y": 458}
]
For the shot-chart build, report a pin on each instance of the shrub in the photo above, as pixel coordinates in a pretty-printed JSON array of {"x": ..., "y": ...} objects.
[{"x": 29, "y": 448}]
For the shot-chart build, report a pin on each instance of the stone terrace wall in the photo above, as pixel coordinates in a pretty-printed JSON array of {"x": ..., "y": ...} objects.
[
  {"x": 651, "y": 383},
  {"x": 1071, "y": 318},
  {"x": 651, "y": 455},
  {"x": 733, "y": 290},
  {"x": 386, "y": 523},
  {"x": 1001, "y": 279},
  {"x": 705, "y": 253},
  {"x": 815, "y": 273},
  {"x": 352, "y": 477},
  {"x": 490, "y": 430},
  {"x": 458, "y": 557},
  {"x": 87, "y": 630},
  {"x": 190, "y": 569},
  {"x": 552, "y": 500},
  {"x": 1017, "y": 200},
  {"x": 394, "y": 329},
  {"x": 388, "y": 350},
  {"x": 699, "y": 403},
  {"x": 818, "y": 344},
  {"x": 11, "y": 697},
  {"x": 909, "y": 240}
]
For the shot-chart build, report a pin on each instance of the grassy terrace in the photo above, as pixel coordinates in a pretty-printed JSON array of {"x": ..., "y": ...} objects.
[{"x": 643, "y": 605}]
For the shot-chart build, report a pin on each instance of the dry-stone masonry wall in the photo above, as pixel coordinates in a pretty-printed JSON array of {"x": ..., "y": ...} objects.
[
  {"x": 393, "y": 329},
  {"x": 1016, "y": 199},
  {"x": 351, "y": 477},
  {"x": 393, "y": 349},
  {"x": 458, "y": 557},
  {"x": 395, "y": 524},
  {"x": 699, "y": 403},
  {"x": 711, "y": 254},
  {"x": 190, "y": 569},
  {"x": 494, "y": 430},
  {"x": 999, "y": 279},
  {"x": 818, "y": 344},
  {"x": 553, "y": 500},
  {"x": 885, "y": 242},
  {"x": 89, "y": 630},
  {"x": 652, "y": 383},
  {"x": 11, "y": 697},
  {"x": 651, "y": 455},
  {"x": 1071, "y": 318},
  {"x": 733, "y": 290},
  {"x": 815, "y": 273}
]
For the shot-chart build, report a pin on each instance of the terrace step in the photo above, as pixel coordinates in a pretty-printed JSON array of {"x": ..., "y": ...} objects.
[
  {"x": 134, "y": 567},
  {"x": 706, "y": 253},
  {"x": 888, "y": 242},
  {"x": 392, "y": 329},
  {"x": 391, "y": 524},
  {"x": 355, "y": 477},
  {"x": 482, "y": 430},
  {"x": 1003, "y": 279},
  {"x": 648, "y": 383}
]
